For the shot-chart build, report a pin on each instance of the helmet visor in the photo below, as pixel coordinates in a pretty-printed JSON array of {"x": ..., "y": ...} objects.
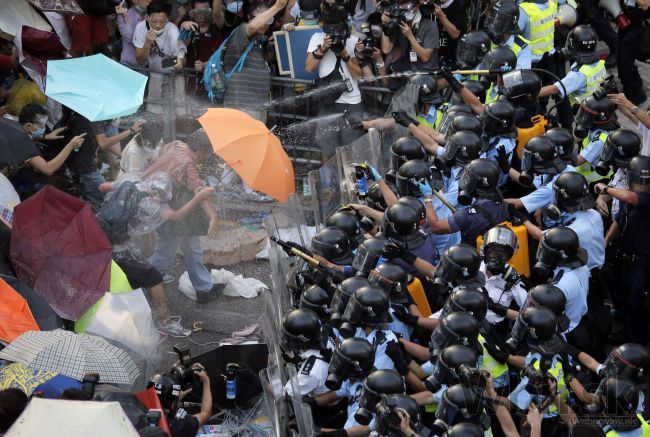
[
  {"x": 448, "y": 271},
  {"x": 501, "y": 236},
  {"x": 365, "y": 259},
  {"x": 451, "y": 148},
  {"x": 585, "y": 116},
  {"x": 497, "y": 23},
  {"x": 354, "y": 311},
  {"x": 513, "y": 85},
  {"x": 641, "y": 178},
  {"x": 339, "y": 301},
  {"x": 441, "y": 338},
  {"x": 468, "y": 55}
]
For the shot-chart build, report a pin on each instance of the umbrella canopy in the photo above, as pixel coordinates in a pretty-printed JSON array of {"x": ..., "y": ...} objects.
[
  {"x": 149, "y": 399},
  {"x": 9, "y": 198},
  {"x": 15, "y": 14},
  {"x": 49, "y": 384},
  {"x": 72, "y": 355},
  {"x": 15, "y": 316},
  {"x": 15, "y": 145},
  {"x": 95, "y": 86},
  {"x": 62, "y": 418},
  {"x": 45, "y": 317},
  {"x": 61, "y": 6},
  {"x": 251, "y": 150},
  {"x": 60, "y": 251},
  {"x": 39, "y": 46}
]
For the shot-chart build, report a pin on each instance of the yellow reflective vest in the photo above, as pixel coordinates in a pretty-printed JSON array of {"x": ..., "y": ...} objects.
[
  {"x": 558, "y": 373},
  {"x": 435, "y": 124},
  {"x": 495, "y": 368},
  {"x": 542, "y": 26},
  {"x": 586, "y": 169},
  {"x": 594, "y": 74},
  {"x": 645, "y": 429}
]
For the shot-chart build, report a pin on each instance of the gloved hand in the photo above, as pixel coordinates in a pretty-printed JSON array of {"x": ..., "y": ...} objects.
[
  {"x": 497, "y": 308},
  {"x": 401, "y": 117},
  {"x": 404, "y": 316},
  {"x": 395, "y": 353},
  {"x": 352, "y": 121},
  {"x": 393, "y": 250},
  {"x": 375, "y": 174},
  {"x": 454, "y": 84},
  {"x": 503, "y": 159},
  {"x": 498, "y": 354},
  {"x": 517, "y": 217},
  {"x": 425, "y": 188}
]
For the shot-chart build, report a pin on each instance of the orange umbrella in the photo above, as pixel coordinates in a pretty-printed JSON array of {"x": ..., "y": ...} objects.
[
  {"x": 15, "y": 316},
  {"x": 251, "y": 150}
]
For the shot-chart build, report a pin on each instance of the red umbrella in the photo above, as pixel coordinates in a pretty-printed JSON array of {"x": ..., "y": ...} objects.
[
  {"x": 60, "y": 251},
  {"x": 149, "y": 399},
  {"x": 39, "y": 46}
]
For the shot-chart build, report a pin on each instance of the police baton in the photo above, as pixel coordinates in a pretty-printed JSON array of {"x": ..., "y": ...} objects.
[{"x": 444, "y": 201}]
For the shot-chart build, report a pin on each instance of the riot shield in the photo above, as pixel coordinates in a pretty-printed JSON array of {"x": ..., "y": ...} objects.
[
  {"x": 273, "y": 397},
  {"x": 365, "y": 149},
  {"x": 325, "y": 187},
  {"x": 302, "y": 411}
]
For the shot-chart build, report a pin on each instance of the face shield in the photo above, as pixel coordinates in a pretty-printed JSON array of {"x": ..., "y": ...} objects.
[
  {"x": 366, "y": 258},
  {"x": 387, "y": 421},
  {"x": 586, "y": 117},
  {"x": 294, "y": 343},
  {"x": 497, "y": 25},
  {"x": 340, "y": 369},
  {"x": 615, "y": 365},
  {"x": 338, "y": 306},
  {"x": 451, "y": 148},
  {"x": 355, "y": 311},
  {"x": 467, "y": 54},
  {"x": 397, "y": 291},
  {"x": 467, "y": 186},
  {"x": 332, "y": 252}
]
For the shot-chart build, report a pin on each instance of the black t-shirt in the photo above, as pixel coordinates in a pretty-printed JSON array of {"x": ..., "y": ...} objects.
[
  {"x": 183, "y": 424},
  {"x": 82, "y": 161},
  {"x": 456, "y": 12}
]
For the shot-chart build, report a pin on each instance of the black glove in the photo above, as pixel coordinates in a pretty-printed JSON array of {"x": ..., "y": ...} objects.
[
  {"x": 503, "y": 160},
  {"x": 517, "y": 217},
  {"x": 393, "y": 250},
  {"x": 454, "y": 84},
  {"x": 401, "y": 117},
  {"x": 498, "y": 354},
  {"x": 572, "y": 350},
  {"x": 309, "y": 401},
  {"x": 497, "y": 308},
  {"x": 404, "y": 316},
  {"x": 395, "y": 353},
  {"x": 351, "y": 121}
]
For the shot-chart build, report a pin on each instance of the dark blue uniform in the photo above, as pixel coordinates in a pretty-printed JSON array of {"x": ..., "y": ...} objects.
[
  {"x": 427, "y": 251},
  {"x": 472, "y": 221},
  {"x": 631, "y": 266}
]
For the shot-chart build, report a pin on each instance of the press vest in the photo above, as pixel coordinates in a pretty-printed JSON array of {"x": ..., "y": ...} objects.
[
  {"x": 495, "y": 368},
  {"x": 586, "y": 169},
  {"x": 594, "y": 74},
  {"x": 645, "y": 429},
  {"x": 542, "y": 26}
]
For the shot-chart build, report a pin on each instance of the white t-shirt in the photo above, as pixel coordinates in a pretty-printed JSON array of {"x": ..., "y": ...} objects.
[
  {"x": 329, "y": 61},
  {"x": 166, "y": 45}
]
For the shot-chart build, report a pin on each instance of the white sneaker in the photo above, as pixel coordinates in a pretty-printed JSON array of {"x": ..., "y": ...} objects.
[
  {"x": 173, "y": 328},
  {"x": 168, "y": 279}
]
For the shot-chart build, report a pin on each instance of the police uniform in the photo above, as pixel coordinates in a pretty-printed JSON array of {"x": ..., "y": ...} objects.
[
  {"x": 379, "y": 340},
  {"x": 582, "y": 81},
  {"x": 431, "y": 119},
  {"x": 631, "y": 266},
  {"x": 521, "y": 48},
  {"x": 589, "y": 227},
  {"x": 537, "y": 24},
  {"x": 351, "y": 389},
  {"x": 574, "y": 283},
  {"x": 498, "y": 371},
  {"x": 591, "y": 147},
  {"x": 427, "y": 251},
  {"x": 311, "y": 376},
  {"x": 492, "y": 154},
  {"x": 450, "y": 187},
  {"x": 399, "y": 327},
  {"x": 495, "y": 286},
  {"x": 642, "y": 431},
  {"x": 618, "y": 181},
  {"x": 471, "y": 222},
  {"x": 544, "y": 195}
]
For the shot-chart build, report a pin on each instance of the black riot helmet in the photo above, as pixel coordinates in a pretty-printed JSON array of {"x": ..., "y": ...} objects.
[
  {"x": 593, "y": 113},
  {"x": 353, "y": 358},
  {"x": 499, "y": 245},
  {"x": 559, "y": 246},
  {"x": 167, "y": 389},
  {"x": 480, "y": 178},
  {"x": 476, "y": 88},
  {"x": 379, "y": 382},
  {"x": 638, "y": 171},
  {"x": 368, "y": 254},
  {"x": 375, "y": 198},
  {"x": 368, "y": 306},
  {"x": 415, "y": 203},
  {"x": 387, "y": 421},
  {"x": 539, "y": 157},
  {"x": 393, "y": 280},
  {"x": 572, "y": 194},
  {"x": 502, "y": 19},
  {"x": 302, "y": 330},
  {"x": 460, "y": 404},
  {"x": 466, "y": 122},
  {"x": 346, "y": 220},
  {"x": 521, "y": 86},
  {"x": 629, "y": 360},
  {"x": 463, "y": 146},
  {"x": 620, "y": 397},
  {"x": 498, "y": 119},
  {"x": 332, "y": 244},
  {"x": 551, "y": 297},
  {"x": 448, "y": 363},
  {"x": 342, "y": 296},
  {"x": 460, "y": 107},
  {"x": 471, "y": 48},
  {"x": 471, "y": 300},
  {"x": 581, "y": 45},
  {"x": 564, "y": 142},
  {"x": 499, "y": 58},
  {"x": 620, "y": 147},
  {"x": 451, "y": 112},
  {"x": 427, "y": 89},
  {"x": 401, "y": 226},
  {"x": 465, "y": 429},
  {"x": 408, "y": 176},
  {"x": 455, "y": 328},
  {"x": 316, "y": 299},
  {"x": 405, "y": 149},
  {"x": 459, "y": 265},
  {"x": 541, "y": 324}
]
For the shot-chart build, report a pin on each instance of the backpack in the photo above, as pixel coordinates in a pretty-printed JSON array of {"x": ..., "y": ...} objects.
[
  {"x": 118, "y": 210},
  {"x": 215, "y": 79}
]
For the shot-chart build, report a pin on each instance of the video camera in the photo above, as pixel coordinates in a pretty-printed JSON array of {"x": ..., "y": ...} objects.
[
  {"x": 607, "y": 86},
  {"x": 396, "y": 16},
  {"x": 182, "y": 372}
]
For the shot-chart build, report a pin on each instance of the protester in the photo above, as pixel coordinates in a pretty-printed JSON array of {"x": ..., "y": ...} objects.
[
  {"x": 140, "y": 152},
  {"x": 127, "y": 21}
]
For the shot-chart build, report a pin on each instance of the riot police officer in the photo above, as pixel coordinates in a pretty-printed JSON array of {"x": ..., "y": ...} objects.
[
  {"x": 498, "y": 58},
  {"x": 379, "y": 382},
  {"x": 619, "y": 397},
  {"x": 318, "y": 300},
  {"x": 564, "y": 143},
  {"x": 342, "y": 296},
  {"x": 499, "y": 131},
  {"x": 501, "y": 24},
  {"x": 631, "y": 266},
  {"x": 346, "y": 220},
  {"x": 472, "y": 47},
  {"x": 332, "y": 245}
]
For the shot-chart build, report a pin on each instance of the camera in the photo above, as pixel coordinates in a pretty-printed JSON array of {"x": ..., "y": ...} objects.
[
  {"x": 607, "y": 86},
  {"x": 511, "y": 276},
  {"x": 537, "y": 381},
  {"x": 396, "y": 16},
  {"x": 369, "y": 42},
  {"x": 182, "y": 372},
  {"x": 338, "y": 42}
]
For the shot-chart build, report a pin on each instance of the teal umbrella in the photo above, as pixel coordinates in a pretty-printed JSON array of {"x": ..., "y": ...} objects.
[{"x": 95, "y": 86}]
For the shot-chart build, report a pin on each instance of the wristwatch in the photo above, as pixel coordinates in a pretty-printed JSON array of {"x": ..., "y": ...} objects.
[
  {"x": 635, "y": 109},
  {"x": 379, "y": 65}
]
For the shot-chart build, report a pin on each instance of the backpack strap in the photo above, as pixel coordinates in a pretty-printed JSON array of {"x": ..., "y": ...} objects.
[{"x": 486, "y": 215}]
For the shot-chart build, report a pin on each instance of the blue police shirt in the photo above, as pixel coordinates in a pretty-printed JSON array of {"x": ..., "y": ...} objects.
[
  {"x": 352, "y": 391},
  {"x": 450, "y": 184},
  {"x": 492, "y": 154},
  {"x": 382, "y": 361},
  {"x": 471, "y": 223},
  {"x": 543, "y": 195},
  {"x": 591, "y": 152},
  {"x": 575, "y": 286},
  {"x": 399, "y": 327},
  {"x": 525, "y": 56},
  {"x": 521, "y": 398},
  {"x": 427, "y": 251},
  {"x": 589, "y": 227},
  {"x": 574, "y": 81},
  {"x": 524, "y": 25},
  {"x": 430, "y": 116},
  {"x": 634, "y": 224}
]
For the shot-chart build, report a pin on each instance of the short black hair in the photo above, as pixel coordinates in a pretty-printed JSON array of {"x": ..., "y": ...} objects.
[
  {"x": 194, "y": 2},
  {"x": 199, "y": 140},
  {"x": 12, "y": 403},
  {"x": 152, "y": 131},
  {"x": 31, "y": 113},
  {"x": 159, "y": 6}
]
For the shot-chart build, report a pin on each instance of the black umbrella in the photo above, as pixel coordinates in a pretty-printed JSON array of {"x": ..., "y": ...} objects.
[{"x": 15, "y": 145}]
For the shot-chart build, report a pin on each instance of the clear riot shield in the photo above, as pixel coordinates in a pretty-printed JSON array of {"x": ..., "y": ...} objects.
[
  {"x": 270, "y": 324},
  {"x": 365, "y": 149},
  {"x": 272, "y": 386},
  {"x": 304, "y": 419},
  {"x": 325, "y": 187}
]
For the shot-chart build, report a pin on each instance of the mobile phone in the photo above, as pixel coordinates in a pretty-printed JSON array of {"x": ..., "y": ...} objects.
[{"x": 168, "y": 62}]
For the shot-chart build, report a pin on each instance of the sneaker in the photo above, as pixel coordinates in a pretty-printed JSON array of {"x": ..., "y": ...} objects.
[
  {"x": 173, "y": 328},
  {"x": 168, "y": 279},
  {"x": 210, "y": 295}
]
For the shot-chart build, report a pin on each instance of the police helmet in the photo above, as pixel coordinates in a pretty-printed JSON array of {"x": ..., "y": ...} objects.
[
  {"x": 393, "y": 280},
  {"x": 593, "y": 112},
  {"x": 620, "y": 147},
  {"x": 302, "y": 330},
  {"x": 460, "y": 404},
  {"x": 539, "y": 157},
  {"x": 448, "y": 363},
  {"x": 414, "y": 203},
  {"x": 521, "y": 85},
  {"x": 465, "y": 429},
  {"x": 346, "y": 220},
  {"x": 459, "y": 265},
  {"x": 581, "y": 45},
  {"x": 551, "y": 297},
  {"x": 387, "y": 421},
  {"x": 167, "y": 389},
  {"x": 379, "y": 382},
  {"x": 463, "y": 146},
  {"x": 638, "y": 171},
  {"x": 498, "y": 119},
  {"x": 427, "y": 89},
  {"x": 353, "y": 358},
  {"x": 620, "y": 397},
  {"x": 572, "y": 192},
  {"x": 467, "y": 122},
  {"x": 368, "y": 254},
  {"x": 476, "y": 88},
  {"x": 368, "y": 306},
  {"x": 471, "y": 300},
  {"x": 480, "y": 178},
  {"x": 316, "y": 299},
  {"x": 541, "y": 324},
  {"x": 559, "y": 246},
  {"x": 563, "y": 140},
  {"x": 455, "y": 328},
  {"x": 408, "y": 176},
  {"x": 375, "y": 197},
  {"x": 629, "y": 360},
  {"x": 500, "y": 58},
  {"x": 332, "y": 243},
  {"x": 405, "y": 149},
  {"x": 471, "y": 48},
  {"x": 342, "y": 296},
  {"x": 400, "y": 221}
]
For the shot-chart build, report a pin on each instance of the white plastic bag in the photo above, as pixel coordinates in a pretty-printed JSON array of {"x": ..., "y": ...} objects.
[{"x": 236, "y": 285}]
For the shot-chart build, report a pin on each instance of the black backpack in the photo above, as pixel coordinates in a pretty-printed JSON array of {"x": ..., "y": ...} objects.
[{"x": 116, "y": 213}]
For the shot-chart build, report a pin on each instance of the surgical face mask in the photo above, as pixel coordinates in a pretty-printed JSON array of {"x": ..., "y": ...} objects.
[
  {"x": 139, "y": 9},
  {"x": 160, "y": 32},
  {"x": 38, "y": 133},
  {"x": 234, "y": 7}
]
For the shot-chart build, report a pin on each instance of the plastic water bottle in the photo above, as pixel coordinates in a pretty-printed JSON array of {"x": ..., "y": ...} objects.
[
  {"x": 231, "y": 383},
  {"x": 217, "y": 81}
]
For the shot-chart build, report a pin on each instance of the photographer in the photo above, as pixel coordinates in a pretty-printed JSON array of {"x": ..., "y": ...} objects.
[
  {"x": 368, "y": 49},
  {"x": 200, "y": 34},
  {"x": 637, "y": 116},
  {"x": 409, "y": 41},
  {"x": 452, "y": 20}
]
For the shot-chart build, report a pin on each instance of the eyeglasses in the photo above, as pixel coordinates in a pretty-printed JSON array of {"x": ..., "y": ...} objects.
[{"x": 157, "y": 21}]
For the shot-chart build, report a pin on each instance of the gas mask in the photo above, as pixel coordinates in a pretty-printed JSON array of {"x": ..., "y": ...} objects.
[
  {"x": 585, "y": 118},
  {"x": 547, "y": 260},
  {"x": 527, "y": 166},
  {"x": 499, "y": 244},
  {"x": 338, "y": 306},
  {"x": 340, "y": 369}
]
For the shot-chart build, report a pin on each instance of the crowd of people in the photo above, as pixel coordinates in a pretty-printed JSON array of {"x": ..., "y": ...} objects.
[{"x": 492, "y": 281}]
